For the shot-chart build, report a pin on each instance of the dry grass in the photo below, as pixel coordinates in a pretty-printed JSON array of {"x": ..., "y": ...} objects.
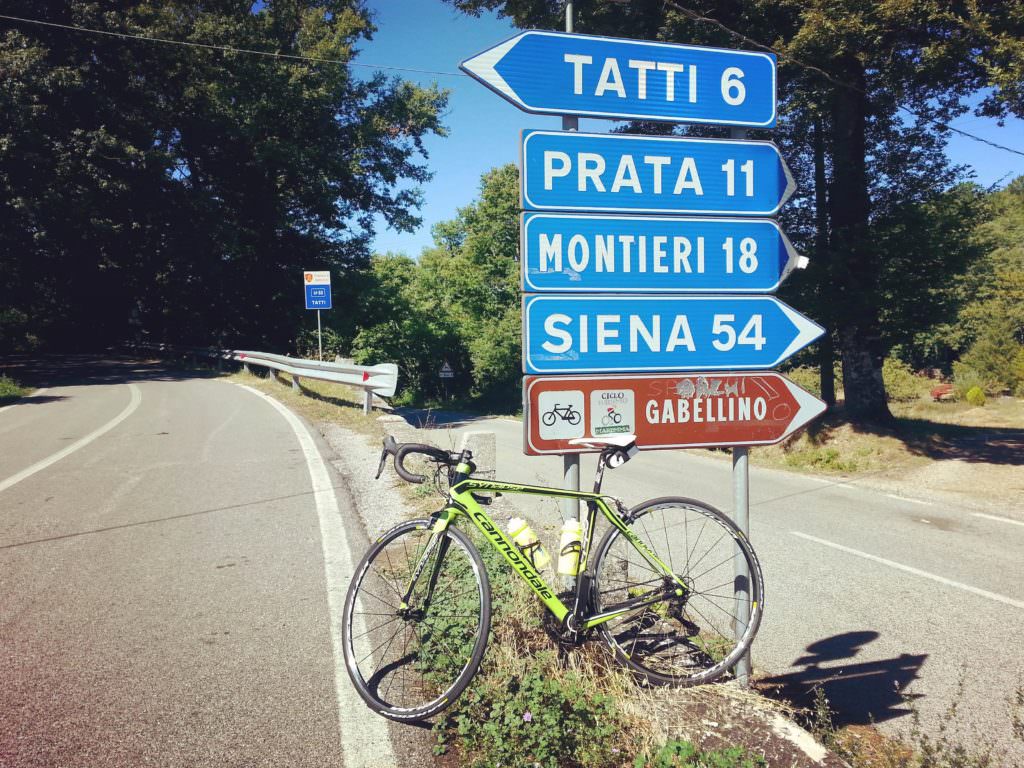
[
  {"x": 320, "y": 401},
  {"x": 923, "y": 431}
]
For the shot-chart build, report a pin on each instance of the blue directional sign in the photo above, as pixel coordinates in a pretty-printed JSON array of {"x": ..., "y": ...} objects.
[
  {"x": 621, "y": 334},
  {"x": 584, "y": 253},
  {"x": 618, "y": 173},
  {"x": 318, "y": 289},
  {"x": 559, "y": 73}
]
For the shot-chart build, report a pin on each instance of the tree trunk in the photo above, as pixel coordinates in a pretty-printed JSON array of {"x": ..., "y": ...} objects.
[
  {"x": 826, "y": 352},
  {"x": 855, "y": 308}
]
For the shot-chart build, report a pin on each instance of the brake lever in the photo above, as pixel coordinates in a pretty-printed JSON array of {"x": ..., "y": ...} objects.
[{"x": 390, "y": 447}]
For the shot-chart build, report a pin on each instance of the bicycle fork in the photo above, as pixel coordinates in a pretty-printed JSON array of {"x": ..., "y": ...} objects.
[{"x": 440, "y": 542}]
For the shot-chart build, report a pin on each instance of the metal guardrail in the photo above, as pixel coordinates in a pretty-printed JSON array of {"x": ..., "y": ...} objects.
[{"x": 380, "y": 380}]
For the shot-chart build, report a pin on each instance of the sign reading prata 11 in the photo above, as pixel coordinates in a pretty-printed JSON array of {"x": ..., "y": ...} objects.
[{"x": 618, "y": 173}]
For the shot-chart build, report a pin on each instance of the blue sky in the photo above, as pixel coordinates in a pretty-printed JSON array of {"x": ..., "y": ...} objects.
[{"x": 484, "y": 129}]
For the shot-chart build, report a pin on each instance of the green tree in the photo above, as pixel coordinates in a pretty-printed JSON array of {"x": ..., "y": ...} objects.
[
  {"x": 180, "y": 190},
  {"x": 404, "y": 323}
]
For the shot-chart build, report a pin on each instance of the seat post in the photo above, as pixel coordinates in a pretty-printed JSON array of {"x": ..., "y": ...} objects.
[{"x": 599, "y": 474}]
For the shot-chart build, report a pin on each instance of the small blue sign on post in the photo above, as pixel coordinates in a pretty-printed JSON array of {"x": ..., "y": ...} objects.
[
  {"x": 585, "y": 253},
  {"x": 619, "y": 173},
  {"x": 560, "y": 73},
  {"x": 318, "y": 289},
  {"x": 624, "y": 334}
]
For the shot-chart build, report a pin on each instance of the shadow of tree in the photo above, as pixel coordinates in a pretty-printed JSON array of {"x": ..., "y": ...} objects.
[
  {"x": 992, "y": 445},
  {"x": 933, "y": 439},
  {"x": 30, "y": 399},
  {"x": 860, "y": 693}
]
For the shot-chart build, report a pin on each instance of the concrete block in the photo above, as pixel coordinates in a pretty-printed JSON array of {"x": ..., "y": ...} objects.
[{"x": 484, "y": 446}]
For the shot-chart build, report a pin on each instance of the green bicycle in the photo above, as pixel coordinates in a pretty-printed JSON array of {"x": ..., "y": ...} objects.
[{"x": 659, "y": 588}]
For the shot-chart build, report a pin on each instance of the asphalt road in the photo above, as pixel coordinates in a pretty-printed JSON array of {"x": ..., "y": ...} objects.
[
  {"x": 889, "y": 604},
  {"x": 172, "y": 557},
  {"x": 173, "y": 550}
]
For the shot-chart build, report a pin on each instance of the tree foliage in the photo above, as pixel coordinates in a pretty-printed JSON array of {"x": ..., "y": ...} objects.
[
  {"x": 459, "y": 303},
  {"x": 178, "y": 190}
]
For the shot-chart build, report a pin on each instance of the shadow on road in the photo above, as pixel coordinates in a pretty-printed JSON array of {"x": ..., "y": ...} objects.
[
  {"x": 858, "y": 693},
  {"x": 86, "y": 369},
  {"x": 30, "y": 400},
  {"x": 426, "y": 418},
  {"x": 935, "y": 439}
]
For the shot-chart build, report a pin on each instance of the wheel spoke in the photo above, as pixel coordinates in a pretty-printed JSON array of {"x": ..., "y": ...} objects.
[
  {"x": 415, "y": 656},
  {"x": 678, "y": 638}
]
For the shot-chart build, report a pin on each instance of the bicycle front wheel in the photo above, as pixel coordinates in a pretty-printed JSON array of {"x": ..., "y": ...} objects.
[
  {"x": 684, "y": 639},
  {"x": 410, "y": 654}
]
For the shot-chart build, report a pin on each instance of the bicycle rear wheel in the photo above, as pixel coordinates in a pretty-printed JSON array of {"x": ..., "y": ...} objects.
[
  {"x": 411, "y": 655},
  {"x": 687, "y": 639}
]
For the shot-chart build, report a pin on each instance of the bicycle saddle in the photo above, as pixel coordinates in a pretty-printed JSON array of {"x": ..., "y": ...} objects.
[
  {"x": 610, "y": 441},
  {"x": 615, "y": 449}
]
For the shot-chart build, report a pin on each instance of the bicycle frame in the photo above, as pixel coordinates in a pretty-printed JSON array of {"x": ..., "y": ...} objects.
[{"x": 461, "y": 502}]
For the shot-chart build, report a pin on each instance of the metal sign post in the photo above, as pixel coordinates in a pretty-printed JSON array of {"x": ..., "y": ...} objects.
[
  {"x": 741, "y": 516},
  {"x": 570, "y": 461}
]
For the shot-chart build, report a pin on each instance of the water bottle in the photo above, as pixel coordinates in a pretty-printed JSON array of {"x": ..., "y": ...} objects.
[
  {"x": 524, "y": 537},
  {"x": 570, "y": 548}
]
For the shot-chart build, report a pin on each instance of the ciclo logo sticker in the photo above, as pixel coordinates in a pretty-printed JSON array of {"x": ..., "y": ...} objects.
[{"x": 612, "y": 412}]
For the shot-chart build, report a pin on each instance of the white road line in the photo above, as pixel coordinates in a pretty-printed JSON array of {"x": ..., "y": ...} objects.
[
  {"x": 998, "y": 518},
  {"x": 41, "y": 465},
  {"x": 34, "y": 394},
  {"x": 365, "y": 741},
  {"x": 916, "y": 571},
  {"x": 912, "y": 501}
]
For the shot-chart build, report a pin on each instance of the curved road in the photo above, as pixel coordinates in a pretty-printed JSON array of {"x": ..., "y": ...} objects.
[{"x": 164, "y": 592}]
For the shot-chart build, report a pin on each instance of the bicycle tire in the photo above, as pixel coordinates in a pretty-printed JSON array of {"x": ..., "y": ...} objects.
[
  {"x": 637, "y": 638},
  {"x": 426, "y": 662},
  {"x": 547, "y": 418},
  {"x": 573, "y": 417}
]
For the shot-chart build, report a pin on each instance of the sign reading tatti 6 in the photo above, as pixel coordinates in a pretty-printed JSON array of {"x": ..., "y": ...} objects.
[
  {"x": 664, "y": 410},
  {"x": 555, "y": 73}
]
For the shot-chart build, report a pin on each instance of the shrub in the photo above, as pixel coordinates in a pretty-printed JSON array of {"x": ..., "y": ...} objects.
[
  {"x": 682, "y": 754},
  {"x": 10, "y": 390},
  {"x": 901, "y": 383},
  {"x": 993, "y": 357},
  {"x": 964, "y": 379},
  {"x": 528, "y": 707},
  {"x": 307, "y": 344},
  {"x": 806, "y": 376},
  {"x": 975, "y": 396}
]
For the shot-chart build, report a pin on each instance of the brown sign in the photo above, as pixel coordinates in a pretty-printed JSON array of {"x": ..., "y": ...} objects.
[{"x": 699, "y": 410}]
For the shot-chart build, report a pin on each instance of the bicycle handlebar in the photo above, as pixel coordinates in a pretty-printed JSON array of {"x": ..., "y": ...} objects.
[{"x": 401, "y": 451}]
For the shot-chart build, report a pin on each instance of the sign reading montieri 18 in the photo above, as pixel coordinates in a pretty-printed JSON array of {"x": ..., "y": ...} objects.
[{"x": 645, "y": 259}]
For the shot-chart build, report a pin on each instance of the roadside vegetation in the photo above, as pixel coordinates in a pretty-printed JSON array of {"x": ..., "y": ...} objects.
[
  {"x": 943, "y": 746},
  {"x": 534, "y": 704},
  {"x": 10, "y": 390}
]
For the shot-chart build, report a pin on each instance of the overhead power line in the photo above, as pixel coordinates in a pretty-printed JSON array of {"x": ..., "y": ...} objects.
[
  {"x": 689, "y": 13},
  {"x": 695, "y": 16},
  {"x": 226, "y": 48}
]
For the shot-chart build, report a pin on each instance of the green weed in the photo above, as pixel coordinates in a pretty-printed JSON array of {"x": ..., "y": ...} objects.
[
  {"x": 10, "y": 390},
  {"x": 682, "y": 754}
]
